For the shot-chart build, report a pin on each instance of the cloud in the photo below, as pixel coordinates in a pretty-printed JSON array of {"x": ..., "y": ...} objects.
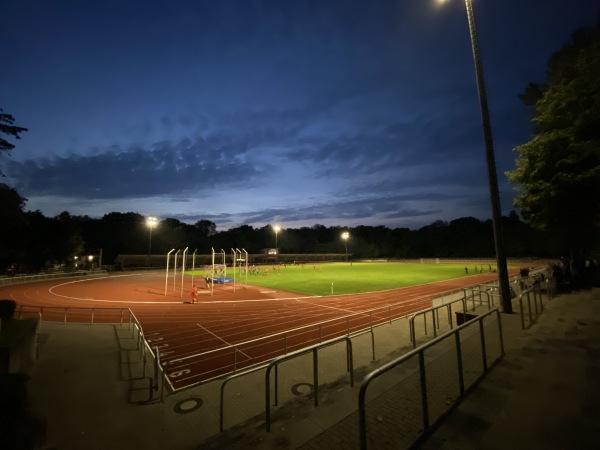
[{"x": 251, "y": 162}]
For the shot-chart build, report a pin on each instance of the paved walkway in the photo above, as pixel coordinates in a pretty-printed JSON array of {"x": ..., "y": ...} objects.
[{"x": 90, "y": 387}]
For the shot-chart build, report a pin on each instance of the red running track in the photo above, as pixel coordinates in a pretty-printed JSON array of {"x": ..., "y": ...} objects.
[{"x": 230, "y": 329}]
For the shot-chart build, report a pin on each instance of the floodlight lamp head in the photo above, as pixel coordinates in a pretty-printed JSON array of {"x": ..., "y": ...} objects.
[{"x": 151, "y": 221}]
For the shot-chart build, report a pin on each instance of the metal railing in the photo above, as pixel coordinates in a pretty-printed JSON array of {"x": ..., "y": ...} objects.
[
  {"x": 474, "y": 295},
  {"x": 529, "y": 294},
  {"x": 24, "y": 279},
  {"x": 422, "y": 370},
  {"x": 315, "y": 359},
  {"x": 435, "y": 319},
  {"x": 121, "y": 316},
  {"x": 158, "y": 378},
  {"x": 79, "y": 315},
  {"x": 283, "y": 343},
  {"x": 525, "y": 298}
]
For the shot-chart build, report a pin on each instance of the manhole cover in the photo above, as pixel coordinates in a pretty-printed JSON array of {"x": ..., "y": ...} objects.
[
  {"x": 188, "y": 405},
  {"x": 302, "y": 388}
]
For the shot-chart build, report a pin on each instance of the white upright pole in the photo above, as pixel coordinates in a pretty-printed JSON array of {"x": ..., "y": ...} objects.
[
  {"x": 167, "y": 271},
  {"x": 234, "y": 255},
  {"x": 193, "y": 265},
  {"x": 212, "y": 280},
  {"x": 175, "y": 271},
  {"x": 224, "y": 265},
  {"x": 246, "y": 265},
  {"x": 183, "y": 270}
]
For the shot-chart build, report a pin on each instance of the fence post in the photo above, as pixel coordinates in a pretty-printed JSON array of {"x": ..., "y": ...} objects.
[
  {"x": 483, "y": 351},
  {"x": 461, "y": 379},
  {"x": 423, "y": 380},
  {"x": 316, "y": 376}
]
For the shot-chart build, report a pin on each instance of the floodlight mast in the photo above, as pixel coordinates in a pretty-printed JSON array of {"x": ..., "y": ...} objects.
[
  {"x": 345, "y": 236},
  {"x": 503, "y": 283},
  {"x": 277, "y": 229},
  {"x": 151, "y": 222}
]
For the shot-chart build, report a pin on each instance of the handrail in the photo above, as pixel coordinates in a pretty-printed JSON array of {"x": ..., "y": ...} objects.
[
  {"x": 433, "y": 310},
  {"x": 537, "y": 292},
  {"x": 34, "y": 309},
  {"x": 480, "y": 291},
  {"x": 222, "y": 394},
  {"x": 420, "y": 352},
  {"x": 23, "y": 279},
  {"x": 314, "y": 349},
  {"x": 306, "y": 327}
]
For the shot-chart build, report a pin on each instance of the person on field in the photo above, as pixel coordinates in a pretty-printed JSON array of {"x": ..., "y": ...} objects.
[{"x": 194, "y": 293}]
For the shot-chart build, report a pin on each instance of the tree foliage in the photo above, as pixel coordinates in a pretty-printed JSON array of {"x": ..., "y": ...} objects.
[
  {"x": 557, "y": 172},
  {"x": 12, "y": 225},
  {"x": 8, "y": 127}
]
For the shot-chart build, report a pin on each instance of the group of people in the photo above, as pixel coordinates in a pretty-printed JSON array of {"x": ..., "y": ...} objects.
[{"x": 478, "y": 269}]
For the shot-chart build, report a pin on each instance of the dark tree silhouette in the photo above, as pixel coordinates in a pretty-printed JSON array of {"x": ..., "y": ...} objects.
[
  {"x": 558, "y": 170},
  {"x": 8, "y": 127}
]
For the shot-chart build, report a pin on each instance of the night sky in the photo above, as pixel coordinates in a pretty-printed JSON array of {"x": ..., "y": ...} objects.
[{"x": 270, "y": 112}]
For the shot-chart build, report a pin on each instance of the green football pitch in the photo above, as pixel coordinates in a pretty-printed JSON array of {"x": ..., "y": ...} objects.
[{"x": 346, "y": 278}]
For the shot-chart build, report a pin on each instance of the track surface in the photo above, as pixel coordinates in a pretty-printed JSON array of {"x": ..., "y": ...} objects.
[{"x": 201, "y": 341}]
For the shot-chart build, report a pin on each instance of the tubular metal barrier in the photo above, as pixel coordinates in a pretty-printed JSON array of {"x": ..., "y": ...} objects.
[
  {"x": 348, "y": 325},
  {"x": 419, "y": 353},
  {"x": 222, "y": 395},
  {"x": 314, "y": 350},
  {"x": 434, "y": 317},
  {"x": 24, "y": 279}
]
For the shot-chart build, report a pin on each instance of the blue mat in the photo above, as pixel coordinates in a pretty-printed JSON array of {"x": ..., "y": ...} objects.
[{"x": 221, "y": 280}]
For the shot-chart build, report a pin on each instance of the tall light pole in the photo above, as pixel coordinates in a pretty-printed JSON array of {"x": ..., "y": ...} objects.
[
  {"x": 503, "y": 282},
  {"x": 345, "y": 236},
  {"x": 151, "y": 222},
  {"x": 276, "y": 228}
]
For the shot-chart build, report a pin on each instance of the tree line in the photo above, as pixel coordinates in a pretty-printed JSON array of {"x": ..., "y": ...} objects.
[{"x": 33, "y": 241}]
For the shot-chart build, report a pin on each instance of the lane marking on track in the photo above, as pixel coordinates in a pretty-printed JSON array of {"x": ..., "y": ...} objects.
[
  {"x": 327, "y": 306},
  {"x": 220, "y": 338},
  {"x": 261, "y": 300},
  {"x": 87, "y": 299}
]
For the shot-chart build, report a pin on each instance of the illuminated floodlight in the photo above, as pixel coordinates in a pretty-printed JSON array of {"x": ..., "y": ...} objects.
[
  {"x": 277, "y": 229},
  {"x": 345, "y": 236},
  {"x": 151, "y": 222}
]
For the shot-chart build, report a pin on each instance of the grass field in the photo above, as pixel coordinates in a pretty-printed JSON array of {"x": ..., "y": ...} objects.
[{"x": 343, "y": 278}]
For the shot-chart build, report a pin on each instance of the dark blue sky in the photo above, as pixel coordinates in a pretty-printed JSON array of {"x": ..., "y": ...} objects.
[{"x": 261, "y": 112}]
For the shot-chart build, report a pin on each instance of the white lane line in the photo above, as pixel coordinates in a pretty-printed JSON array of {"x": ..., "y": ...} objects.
[
  {"x": 227, "y": 343},
  {"x": 327, "y": 306},
  {"x": 260, "y": 300}
]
